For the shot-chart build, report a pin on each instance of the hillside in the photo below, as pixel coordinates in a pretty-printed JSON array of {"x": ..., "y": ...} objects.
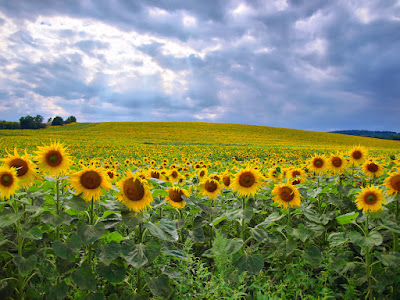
[{"x": 92, "y": 137}]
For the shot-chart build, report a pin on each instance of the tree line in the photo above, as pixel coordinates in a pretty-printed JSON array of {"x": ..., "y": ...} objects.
[
  {"x": 387, "y": 135},
  {"x": 30, "y": 122}
]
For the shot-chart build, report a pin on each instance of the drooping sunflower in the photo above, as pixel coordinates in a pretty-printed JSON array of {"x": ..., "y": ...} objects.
[
  {"x": 9, "y": 182},
  {"x": 247, "y": 182},
  {"x": 358, "y": 154},
  {"x": 337, "y": 163},
  {"x": 286, "y": 195},
  {"x": 226, "y": 179},
  {"x": 210, "y": 187},
  {"x": 53, "y": 160},
  {"x": 89, "y": 182},
  {"x": 372, "y": 168},
  {"x": 175, "y": 196},
  {"x": 154, "y": 173},
  {"x": 370, "y": 199},
  {"x": 134, "y": 192},
  {"x": 318, "y": 163},
  {"x": 26, "y": 172},
  {"x": 393, "y": 183}
]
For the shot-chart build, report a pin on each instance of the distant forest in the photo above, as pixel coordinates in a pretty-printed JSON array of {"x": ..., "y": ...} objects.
[
  {"x": 387, "y": 135},
  {"x": 30, "y": 122}
]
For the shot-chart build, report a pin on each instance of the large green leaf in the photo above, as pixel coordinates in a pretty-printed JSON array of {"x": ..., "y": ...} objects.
[
  {"x": 55, "y": 220},
  {"x": 9, "y": 219},
  {"x": 374, "y": 239},
  {"x": 249, "y": 263},
  {"x": 78, "y": 203},
  {"x": 160, "y": 287},
  {"x": 337, "y": 238},
  {"x": 261, "y": 235},
  {"x": 90, "y": 233},
  {"x": 391, "y": 259},
  {"x": 198, "y": 235},
  {"x": 165, "y": 230},
  {"x": 389, "y": 225},
  {"x": 25, "y": 265},
  {"x": 135, "y": 255},
  {"x": 84, "y": 278},
  {"x": 313, "y": 255},
  {"x": 106, "y": 253},
  {"x": 301, "y": 232},
  {"x": 275, "y": 216},
  {"x": 67, "y": 250},
  {"x": 112, "y": 273},
  {"x": 347, "y": 218}
]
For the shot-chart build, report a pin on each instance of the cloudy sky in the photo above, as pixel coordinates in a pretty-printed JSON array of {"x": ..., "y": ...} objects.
[{"x": 305, "y": 64}]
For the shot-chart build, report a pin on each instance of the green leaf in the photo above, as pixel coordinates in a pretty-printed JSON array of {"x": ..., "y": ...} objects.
[
  {"x": 391, "y": 259},
  {"x": 90, "y": 233},
  {"x": 393, "y": 227},
  {"x": 347, "y": 218},
  {"x": 198, "y": 235},
  {"x": 160, "y": 286},
  {"x": 114, "y": 236},
  {"x": 112, "y": 273},
  {"x": 25, "y": 265},
  {"x": 59, "y": 291},
  {"x": 106, "y": 253},
  {"x": 153, "y": 249},
  {"x": 262, "y": 235},
  {"x": 234, "y": 245},
  {"x": 60, "y": 249},
  {"x": 135, "y": 255},
  {"x": 301, "y": 233},
  {"x": 356, "y": 238},
  {"x": 374, "y": 239},
  {"x": 337, "y": 238},
  {"x": 55, "y": 220},
  {"x": 218, "y": 220},
  {"x": 275, "y": 216},
  {"x": 159, "y": 192},
  {"x": 35, "y": 233},
  {"x": 249, "y": 263},
  {"x": 311, "y": 216},
  {"x": 78, "y": 203},
  {"x": 67, "y": 250},
  {"x": 84, "y": 278},
  {"x": 165, "y": 230},
  {"x": 313, "y": 255},
  {"x": 9, "y": 219}
]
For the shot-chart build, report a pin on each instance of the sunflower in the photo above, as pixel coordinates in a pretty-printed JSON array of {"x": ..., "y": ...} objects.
[
  {"x": 203, "y": 173},
  {"x": 112, "y": 174},
  {"x": 358, "y": 154},
  {"x": 370, "y": 199},
  {"x": 393, "y": 183},
  {"x": 9, "y": 182},
  {"x": 53, "y": 160},
  {"x": 296, "y": 173},
  {"x": 89, "y": 182},
  {"x": 210, "y": 187},
  {"x": 173, "y": 175},
  {"x": 175, "y": 196},
  {"x": 26, "y": 172},
  {"x": 135, "y": 192},
  {"x": 337, "y": 163},
  {"x": 273, "y": 175},
  {"x": 318, "y": 163},
  {"x": 372, "y": 168},
  {"x": 226, "y": 179},
  {"x": 247, "y": 182},
  {"x": 286, "y": 195}
]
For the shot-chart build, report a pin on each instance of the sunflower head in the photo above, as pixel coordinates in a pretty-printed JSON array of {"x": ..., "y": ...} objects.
[
  {"x": 9, "y": 182},
  {"x": 337, "y": 163},
  {"x": 134, "y": 192},
  {"x": 210, "y": 187},
  {"x": 273, "y": 175},
  {"x": 370, "y": 199},
  {"x": 174, "y": 196},
  {"x": 89, "y": 183},
  {"x": 318, "y": 163},
  {"x": 393, "y": 183},
  {"x": 26, "y": 172},
  {"x": 372, "y": 168},
  {"x": 358, "y": 154},
  {"x": 286, "y": 195},
  {"x": 247, "y": 182},
  {"x": 203, "y": 173},
  {"x": 226, "y": 179},
  {"x": 53, "y": 160}
]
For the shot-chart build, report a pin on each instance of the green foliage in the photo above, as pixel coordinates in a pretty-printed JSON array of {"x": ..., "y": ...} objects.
[
  {"x": 57, "y": 121},
  {"x": 70, "y": 119},
  {"x": 30, "y": 122}
]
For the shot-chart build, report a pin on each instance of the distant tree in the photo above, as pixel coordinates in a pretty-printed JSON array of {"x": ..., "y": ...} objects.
[
  {"x": 49, "y": 120},
  {"x": 57, "y": 121},
  {"x": 70, "y": 119},
  {"x": 9, "y": 125},
  {"x": 30, "y": 122}
]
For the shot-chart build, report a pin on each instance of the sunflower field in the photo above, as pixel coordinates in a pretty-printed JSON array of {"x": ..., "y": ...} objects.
[{"x": 197, "y": 211}]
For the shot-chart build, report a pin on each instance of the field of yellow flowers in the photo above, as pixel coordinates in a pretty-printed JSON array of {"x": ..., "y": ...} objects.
[{"x": 197, "y": 211}]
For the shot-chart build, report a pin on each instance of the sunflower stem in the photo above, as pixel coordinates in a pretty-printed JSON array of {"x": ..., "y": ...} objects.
[
  {"x": 57, "y": 207},
  {"x": 243, "y": 220},
  {"x": 289, "y": 220},
  {"x": 91, "y": 217},
  {"x": 20, "y": 242},
  {"x": 139, "y": 271},
  {"x": 367, "y": 261}
]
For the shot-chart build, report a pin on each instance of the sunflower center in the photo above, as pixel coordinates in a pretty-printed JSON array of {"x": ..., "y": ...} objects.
[
  {"x": 357, "y": 154},
  {"x": 202, "y": 173},
  {"x": 53, "y": 158},
  {"x": 318, "y": 163},
  {"x": 226, "y": 180},
  {"x": 287, "y": 194},
  {"x": 295, "y": 173},
  {"x": 133, "y": 190},
  {"x": 174, "y": 174},
  {"x": 395, "y": 182},
  {"x": 370, "y": 199},
  {"x": 247, "y": 179},
  {"x": 210, "y": 186},
  {"x": 90, "y": 180},
  {"x": 21, "y": 165},
  {"x": 155, "y": 175},
  {"x": 337, "y": 162},
  {"x": 175, "y": 196},
  {"x": 372, "y": 167},
  {"x": 296, "y": 181},
  {"x": 6, "y": 180},
  {"x": 110, "y": 175}
]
